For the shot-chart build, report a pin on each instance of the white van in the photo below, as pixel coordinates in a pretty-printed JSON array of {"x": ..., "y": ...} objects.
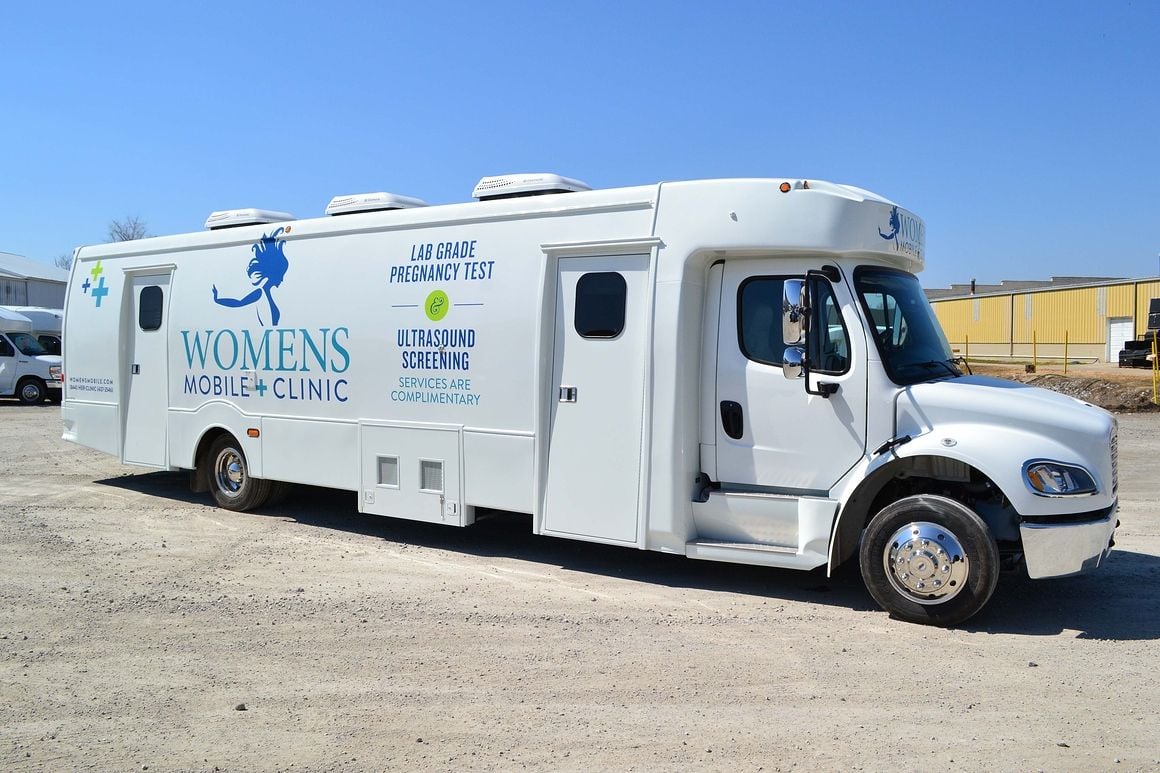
[
  {"x": 27, "y": 370},
  {"x": 735, "y": 370}
]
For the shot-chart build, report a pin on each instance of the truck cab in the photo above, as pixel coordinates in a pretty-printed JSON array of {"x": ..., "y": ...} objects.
[{"x": 27, "y": 371}]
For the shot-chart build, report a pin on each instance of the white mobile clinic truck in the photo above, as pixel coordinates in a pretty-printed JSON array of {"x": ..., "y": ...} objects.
[{"x": 733, "y": 370}]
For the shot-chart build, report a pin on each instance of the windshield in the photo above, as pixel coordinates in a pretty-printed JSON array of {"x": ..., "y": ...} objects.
[
  {"x": 909, "y": 338},
  {"x": 27, "y": 344}
]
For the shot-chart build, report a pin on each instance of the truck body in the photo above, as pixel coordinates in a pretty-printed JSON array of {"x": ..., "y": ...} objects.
[
  {"x": 28, "y": 371},
  {"x": 47, "y": 325},
  {"x": 733, "y": 370}
]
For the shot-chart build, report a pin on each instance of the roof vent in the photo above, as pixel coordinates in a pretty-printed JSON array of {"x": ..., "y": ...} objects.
[
  {"x": 234, "y": 218},
  {"x": 371, "y": 202},
  {"x": 512, "y": 186}
]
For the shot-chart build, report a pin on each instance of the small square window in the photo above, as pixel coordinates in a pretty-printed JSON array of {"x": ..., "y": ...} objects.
[
  {"x": 431, "y": 476},
  {"x": 389, "y": 471},
  {"x": 600, "y": 302},
  {"x": 149, "y": 310}
]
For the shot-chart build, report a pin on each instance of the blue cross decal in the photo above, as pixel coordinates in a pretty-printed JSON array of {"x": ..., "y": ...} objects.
[
  {"x": 86, "y": 286},
  {"x": 100, "y": 291},
  {"x": 260, "y": 388}
]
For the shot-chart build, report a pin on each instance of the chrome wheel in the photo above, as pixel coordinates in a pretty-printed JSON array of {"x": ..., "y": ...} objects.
[
  {"x": 926, "y": 562},
  {"x": 929, "y": 559},
  {"x": 31, "y": 392},
  {"x": 227, "y": 473},
  {"x": 230, "y": 472}
]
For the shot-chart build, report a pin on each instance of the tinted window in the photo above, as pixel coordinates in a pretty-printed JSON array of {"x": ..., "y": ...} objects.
[
  {"x": 27, "y": 344},
  {"x": 906, "y": 332},
  {"x": 6, "y": 349},
  {"x": 759, "y": 334},
  {"x": 829, "y": 343},
  {"x": 51, "y": 344},
  {"x": 600, "y": 300},
  {"x": 149, "y": 313}
]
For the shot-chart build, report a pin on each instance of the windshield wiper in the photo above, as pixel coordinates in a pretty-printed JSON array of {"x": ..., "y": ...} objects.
[{"x": 951, "y": 369}]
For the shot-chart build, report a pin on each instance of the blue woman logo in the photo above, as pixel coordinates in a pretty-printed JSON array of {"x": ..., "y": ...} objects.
[
  {"x": 266, "y": 271},
  {"x": 895, "y": 224}
]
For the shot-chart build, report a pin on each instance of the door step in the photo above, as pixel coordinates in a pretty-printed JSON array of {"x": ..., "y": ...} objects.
[{"x": 754, "y": 553}]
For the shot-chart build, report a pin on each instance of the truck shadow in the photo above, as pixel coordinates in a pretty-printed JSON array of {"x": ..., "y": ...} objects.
[{"x": 1117, "y": 602}]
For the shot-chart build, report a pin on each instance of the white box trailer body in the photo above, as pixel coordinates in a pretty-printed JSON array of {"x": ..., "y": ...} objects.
[{"x": 611, "y": 362}]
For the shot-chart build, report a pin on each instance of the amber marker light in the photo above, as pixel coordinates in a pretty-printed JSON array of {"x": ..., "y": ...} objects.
[
  {"x": 785, "y": 187},
  {"x": 253, "y": 432}
]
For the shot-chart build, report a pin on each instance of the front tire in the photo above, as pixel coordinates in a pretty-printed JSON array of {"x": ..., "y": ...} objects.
[
  {"x": 929, "y": 559},
  {"x": 31, "y": 391},
  {"x": 229, "y": 477}
]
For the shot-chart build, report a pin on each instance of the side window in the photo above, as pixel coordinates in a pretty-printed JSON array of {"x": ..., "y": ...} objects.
[
  {"x": 600, "y": 301},
  {"x": 829, "y": 342},
  {"x": 151, "y": 306},
  {"x": 6, "y": 349},
  {"x": 759, "y": 335}
]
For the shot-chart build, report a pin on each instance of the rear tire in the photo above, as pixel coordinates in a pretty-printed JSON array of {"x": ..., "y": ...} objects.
[
  {"x": 229, "y": 477},
  {"x": 929, "y": 559},
  {"x": 31, "y": 391},
  {"x": 279, "y": 492}
]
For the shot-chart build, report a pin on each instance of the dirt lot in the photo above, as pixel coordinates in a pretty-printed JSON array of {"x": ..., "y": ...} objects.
[
  {"x": 137, "y": 622},
  {"x": 1108, "y": 386}
]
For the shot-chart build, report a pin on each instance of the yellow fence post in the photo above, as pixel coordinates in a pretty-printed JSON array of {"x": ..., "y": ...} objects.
[{"x": 1155, "y": 370}]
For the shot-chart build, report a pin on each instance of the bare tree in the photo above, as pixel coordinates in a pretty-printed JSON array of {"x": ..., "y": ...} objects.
[
  {"x": 63, "y": 260},
  {"x": 127, "y": 230}
]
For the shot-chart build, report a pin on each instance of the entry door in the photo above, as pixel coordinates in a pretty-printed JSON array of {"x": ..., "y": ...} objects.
[
  {"x": 147, "y": 380},
  {"x": 8, "y": 365},
  {"x": 771, "y": 435},
  {"x": 594, "y": 452}
]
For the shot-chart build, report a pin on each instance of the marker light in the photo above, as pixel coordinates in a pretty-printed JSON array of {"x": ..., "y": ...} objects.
[{"x": 785, "y": 187}]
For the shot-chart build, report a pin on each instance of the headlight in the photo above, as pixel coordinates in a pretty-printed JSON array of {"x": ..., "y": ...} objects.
[
  {"x": 54, "y": 371},
  {"x": 1052, "y": 479}
]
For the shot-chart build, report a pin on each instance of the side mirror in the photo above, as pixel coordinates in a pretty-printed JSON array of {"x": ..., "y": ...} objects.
[
  {"x": 793, "y": 312},
  {"x": 792, "y": 362}
]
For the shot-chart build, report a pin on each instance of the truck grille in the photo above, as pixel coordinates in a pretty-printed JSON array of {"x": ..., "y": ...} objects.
[{"x": 1114, "y": 445}]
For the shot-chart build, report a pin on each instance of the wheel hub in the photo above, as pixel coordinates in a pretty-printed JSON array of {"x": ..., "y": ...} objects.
[
  {"x": 926, "y": 563},
  {"x": 230, "y": 472}
]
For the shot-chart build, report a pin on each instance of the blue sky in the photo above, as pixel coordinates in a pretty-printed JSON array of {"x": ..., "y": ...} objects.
[{"x": 1026, "y": 134}]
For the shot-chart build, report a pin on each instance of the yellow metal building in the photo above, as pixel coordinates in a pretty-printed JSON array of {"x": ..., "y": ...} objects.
[{"x": 1092, "y": 320}]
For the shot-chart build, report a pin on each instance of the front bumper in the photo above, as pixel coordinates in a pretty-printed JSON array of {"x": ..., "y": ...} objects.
[{"x": 1061, "y": 548}]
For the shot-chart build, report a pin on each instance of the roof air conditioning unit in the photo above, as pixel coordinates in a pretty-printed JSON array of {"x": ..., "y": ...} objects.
[
  {"x": 235, "y": 218},
  {"x": 371, "y": 202},
  {"x": 512, "y": 186}
]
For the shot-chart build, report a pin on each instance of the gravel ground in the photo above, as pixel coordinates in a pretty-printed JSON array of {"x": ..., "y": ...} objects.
[{"x": 143, "y": 629}]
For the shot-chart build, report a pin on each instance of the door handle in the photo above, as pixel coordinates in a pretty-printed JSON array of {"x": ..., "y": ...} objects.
[
  {"x": 732, "y": 419},
  {"x": 567, "y": 394},
  {"x": 136, "y": 369}
]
